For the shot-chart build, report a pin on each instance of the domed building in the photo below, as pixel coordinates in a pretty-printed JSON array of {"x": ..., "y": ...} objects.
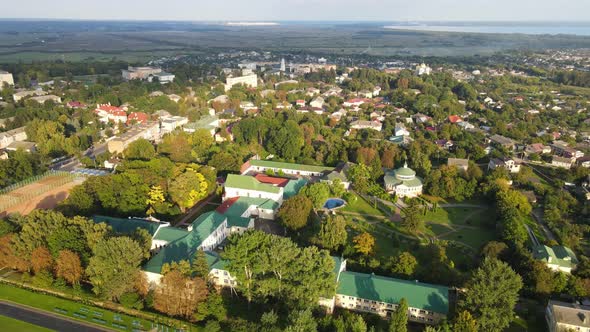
[{"x": 403, "y": 182}]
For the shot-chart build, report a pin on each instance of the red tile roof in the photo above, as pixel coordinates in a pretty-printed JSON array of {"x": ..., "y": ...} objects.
[
  {"x": 226, "y": 205},
  {"x": 138, "y": 117},
  {"x": 281, "y": 182},
  {"x": 455, "y": 118}
]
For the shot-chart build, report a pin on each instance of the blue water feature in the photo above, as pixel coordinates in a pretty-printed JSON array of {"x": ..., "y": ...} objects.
[{"x": 333, "y": 203}]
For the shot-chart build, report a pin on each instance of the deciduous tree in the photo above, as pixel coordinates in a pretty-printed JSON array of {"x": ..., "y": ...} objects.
[
  {"x": 41, "y": 260},
  {"x": 364, "y": 243},
  {"x": 295, "y": 211}
]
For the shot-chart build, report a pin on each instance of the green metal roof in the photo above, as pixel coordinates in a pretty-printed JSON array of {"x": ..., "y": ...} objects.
[
  {"x": 249, "y": 183},
  {"x": 292, "y": 188},
  {"x": 558, "y": 255},
  {"x": 185, "y": 247},
  {"x": 296, "y": 167},
  {"x": 405, "y": 171},
  {"x": 389, "y": 290},
  {"x": 170, "y": 234},
  {"x": 391, "y": 179},
  {"x": 128, "y": 225}
]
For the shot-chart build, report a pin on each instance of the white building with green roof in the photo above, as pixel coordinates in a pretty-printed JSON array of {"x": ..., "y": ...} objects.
[
  {"x": 261, "y": 166},
  {"x": 557, "y": 258},
  {"x": 248, "y": 186},
  {"x": 379, "y": 295},
  {"x": 403, "y": 182}
]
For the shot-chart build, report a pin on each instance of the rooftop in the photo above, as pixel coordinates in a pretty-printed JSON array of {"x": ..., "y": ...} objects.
[
  {"x": 128, "y": 225},
  {"x": 558, "y": 255},
  {"x": 186, "y": 246},
  {"x": 570, "y": 313},
  {"x": 290, "y": 166},
  {"x": 249, "y": 183},
  {"x": 390, "y": 290}
]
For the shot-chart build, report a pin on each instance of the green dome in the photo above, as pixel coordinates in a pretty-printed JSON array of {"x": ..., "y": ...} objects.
[{"x": 405, "y": 172}]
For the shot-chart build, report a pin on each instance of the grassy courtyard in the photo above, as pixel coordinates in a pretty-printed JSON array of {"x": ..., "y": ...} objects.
[
  {"x": 10, "y": 324},
  {"x": 361, "y": 206}
]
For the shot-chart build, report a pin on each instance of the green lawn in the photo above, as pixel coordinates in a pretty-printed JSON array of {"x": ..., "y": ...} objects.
[
  {"x": 361, "y": 206},
  {"x": 458, "y": 216},
  {"x": 10, "y": 324},
  {"x": 73, "y": 309},
  {"x": 474, "y": 238}
]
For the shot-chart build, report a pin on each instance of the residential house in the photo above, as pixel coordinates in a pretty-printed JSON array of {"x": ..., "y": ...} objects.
[
  {"x": 107, "y": 113},
  {"x": 363, "y": 124},
  {"x": 75, "y": 105},
  {"x": 18, "y": 96},
  {"x": 317, "y": 102},
  {"x": 22, "y": 145},
  {"x": 506, "y": 163},
  {"x": 300, "y": 103},
  {"x": 562, "y": 162},
  {"x": 455, "y": 119},
  {"x": 355, "y": 102},
  {"x": 566, "y": 317},
  {"x": 465, "y": 125},
  {"x": 423, "y": 69},
  {"x": 561, "y": 148},
  {"x": 400, "y": 130},
  {"x": 584, "y": 161},
  {"x": 537, "y": 148},
  {"x": 557, "y": 258},
  {"x": 43, "y": 99},
  {"x": 502, "y": 141},
  {"x": 14, "y": 135}
]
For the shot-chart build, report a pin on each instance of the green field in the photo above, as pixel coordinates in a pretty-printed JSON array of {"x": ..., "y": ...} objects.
[
  {"x": 9, "y": 324},
  {"x": 74, "y": 310},
  {"x": 360, "y": 205}
]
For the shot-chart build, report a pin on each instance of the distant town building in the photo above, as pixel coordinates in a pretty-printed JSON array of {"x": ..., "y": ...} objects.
[
  {"x": 18, "y": 96},
  {"x": 248, "y": 80},
  {"x": 148, "y": 130},
  {"x": 5, "y": 78},
  {"x": 169, "y": 123},
  {"x": 363, "y": 124},
  {"x": 147, "y": 73},
  {"x": 43, "y": 99},
  {"x": 562, "y": 162},
  {"x": 14, "y": 135},
  {"x": 283, "y": 66},
  {"x": 423, "y": 69},
  {"x": 107, "y": 113}
]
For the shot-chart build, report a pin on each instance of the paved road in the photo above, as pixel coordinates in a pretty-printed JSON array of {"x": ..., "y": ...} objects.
[{"x": 45, "y": 319}]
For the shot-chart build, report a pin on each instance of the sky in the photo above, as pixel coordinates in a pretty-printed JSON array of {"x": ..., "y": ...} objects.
[{"x": 301, "y": 10}]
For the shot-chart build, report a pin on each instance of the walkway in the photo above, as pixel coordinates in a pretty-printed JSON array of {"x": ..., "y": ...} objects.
[
  {"x": 538, "y": 215},
  {"x": 45, "y": 319}
]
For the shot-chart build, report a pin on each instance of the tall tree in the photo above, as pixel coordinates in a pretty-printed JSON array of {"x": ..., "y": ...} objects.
[
  {"x": 464, "y": 322},
  {"x": 399, "y": 318},
  {"x": 179, "y": 294},
  {"x": 113, "y": 267},
  {"x": 41, "y": 260},
  {"x": 69, "y": 267},
  {"x": 364, "y": 243},
  {"x": 140, "y": 149},
  {"x": 199, "y": 265},
  {"x": 404, "y": 264},
  {"x": 295, "y": 211},
  {"x": 413, "y": 221},
  {"x": 332, "y": 233},
  {"x": 187, "y": 189},
  {"x": 318, "y": 193},
  {"x": 492, "y": 293}
]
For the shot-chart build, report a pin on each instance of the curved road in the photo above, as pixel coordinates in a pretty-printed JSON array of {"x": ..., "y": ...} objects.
[{"x": 45, "y": 319}]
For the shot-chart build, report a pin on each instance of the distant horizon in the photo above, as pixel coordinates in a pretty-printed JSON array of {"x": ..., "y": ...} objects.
[{"x": 292, "y": 21}]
